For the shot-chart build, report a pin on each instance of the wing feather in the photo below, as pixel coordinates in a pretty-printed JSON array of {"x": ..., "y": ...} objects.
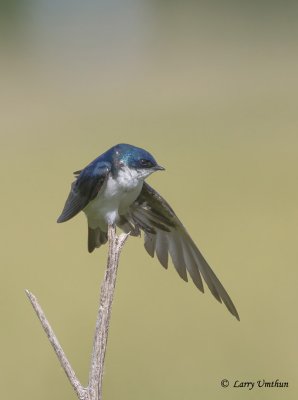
[
  {"x": 149, "y": 243},
  {"x": 176, "y": 252},
  {"x": 165, "y": 234},
  {"x": 84, "y": 189},
  {"x": 162, "y": 248},
  {"x": 191, "y": 266}
]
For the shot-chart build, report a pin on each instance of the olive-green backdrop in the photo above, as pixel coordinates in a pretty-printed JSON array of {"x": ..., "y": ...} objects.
[{"x": 211, "y": 91}]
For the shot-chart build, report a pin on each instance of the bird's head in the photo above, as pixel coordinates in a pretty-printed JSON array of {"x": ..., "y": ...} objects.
[{"x": 136, "y": 159}]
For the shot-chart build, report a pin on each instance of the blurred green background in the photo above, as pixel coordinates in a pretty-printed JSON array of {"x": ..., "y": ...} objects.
[{"x": 211, "y": 90}]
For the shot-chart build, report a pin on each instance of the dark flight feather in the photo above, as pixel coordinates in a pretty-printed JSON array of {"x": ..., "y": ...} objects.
[
  {"x": 84, "y": 189},
  {"x": 170, "y": 237},
  {"x": 96, "y": 238}
]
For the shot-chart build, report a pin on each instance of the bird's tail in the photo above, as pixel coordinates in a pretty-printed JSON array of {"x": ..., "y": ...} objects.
[{"x": 96, "y": 237}]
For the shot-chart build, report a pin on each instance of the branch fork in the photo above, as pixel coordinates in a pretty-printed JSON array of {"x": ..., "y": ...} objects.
[{"x": 94, "y": 389}]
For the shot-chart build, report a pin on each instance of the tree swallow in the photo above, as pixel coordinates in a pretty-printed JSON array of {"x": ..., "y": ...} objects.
[{"x": 112, "y": 190}]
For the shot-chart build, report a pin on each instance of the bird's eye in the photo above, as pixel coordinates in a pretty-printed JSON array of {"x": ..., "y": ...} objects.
[{"x": 146, "y": 163}]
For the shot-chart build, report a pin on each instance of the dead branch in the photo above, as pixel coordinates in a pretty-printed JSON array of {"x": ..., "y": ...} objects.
[{"x": 94, "y": 389}]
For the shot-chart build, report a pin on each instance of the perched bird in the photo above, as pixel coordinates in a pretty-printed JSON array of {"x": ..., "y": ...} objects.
[{"x": 112, "y": 190}]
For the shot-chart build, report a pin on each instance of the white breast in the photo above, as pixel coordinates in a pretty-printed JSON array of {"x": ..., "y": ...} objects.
[{"x": 114, "y": 198}]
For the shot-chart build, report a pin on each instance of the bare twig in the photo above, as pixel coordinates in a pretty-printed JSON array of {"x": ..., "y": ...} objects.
[
  {"x": 94, "y": 389},
  {"x": 104, "y": 314},
  {"x": 79, "y": 389}
]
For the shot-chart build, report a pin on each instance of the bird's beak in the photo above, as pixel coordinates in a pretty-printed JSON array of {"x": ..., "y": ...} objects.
[{"x": 159, "y": 168}]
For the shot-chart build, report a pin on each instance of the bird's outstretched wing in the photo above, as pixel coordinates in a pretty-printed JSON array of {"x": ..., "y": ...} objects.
[
  {"x": 85, "y": 188},
  {"x": 165, "y": 234}
]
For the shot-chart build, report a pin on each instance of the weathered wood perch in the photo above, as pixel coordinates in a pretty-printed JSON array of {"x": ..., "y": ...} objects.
[{"x": 94, "y": 389}]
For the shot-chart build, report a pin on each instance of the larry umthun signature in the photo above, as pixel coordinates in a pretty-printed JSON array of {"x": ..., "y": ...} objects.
[{"x": 260, "y": 383}]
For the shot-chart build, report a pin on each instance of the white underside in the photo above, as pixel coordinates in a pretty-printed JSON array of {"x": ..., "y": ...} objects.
[{"x": 114, "y": 198}]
